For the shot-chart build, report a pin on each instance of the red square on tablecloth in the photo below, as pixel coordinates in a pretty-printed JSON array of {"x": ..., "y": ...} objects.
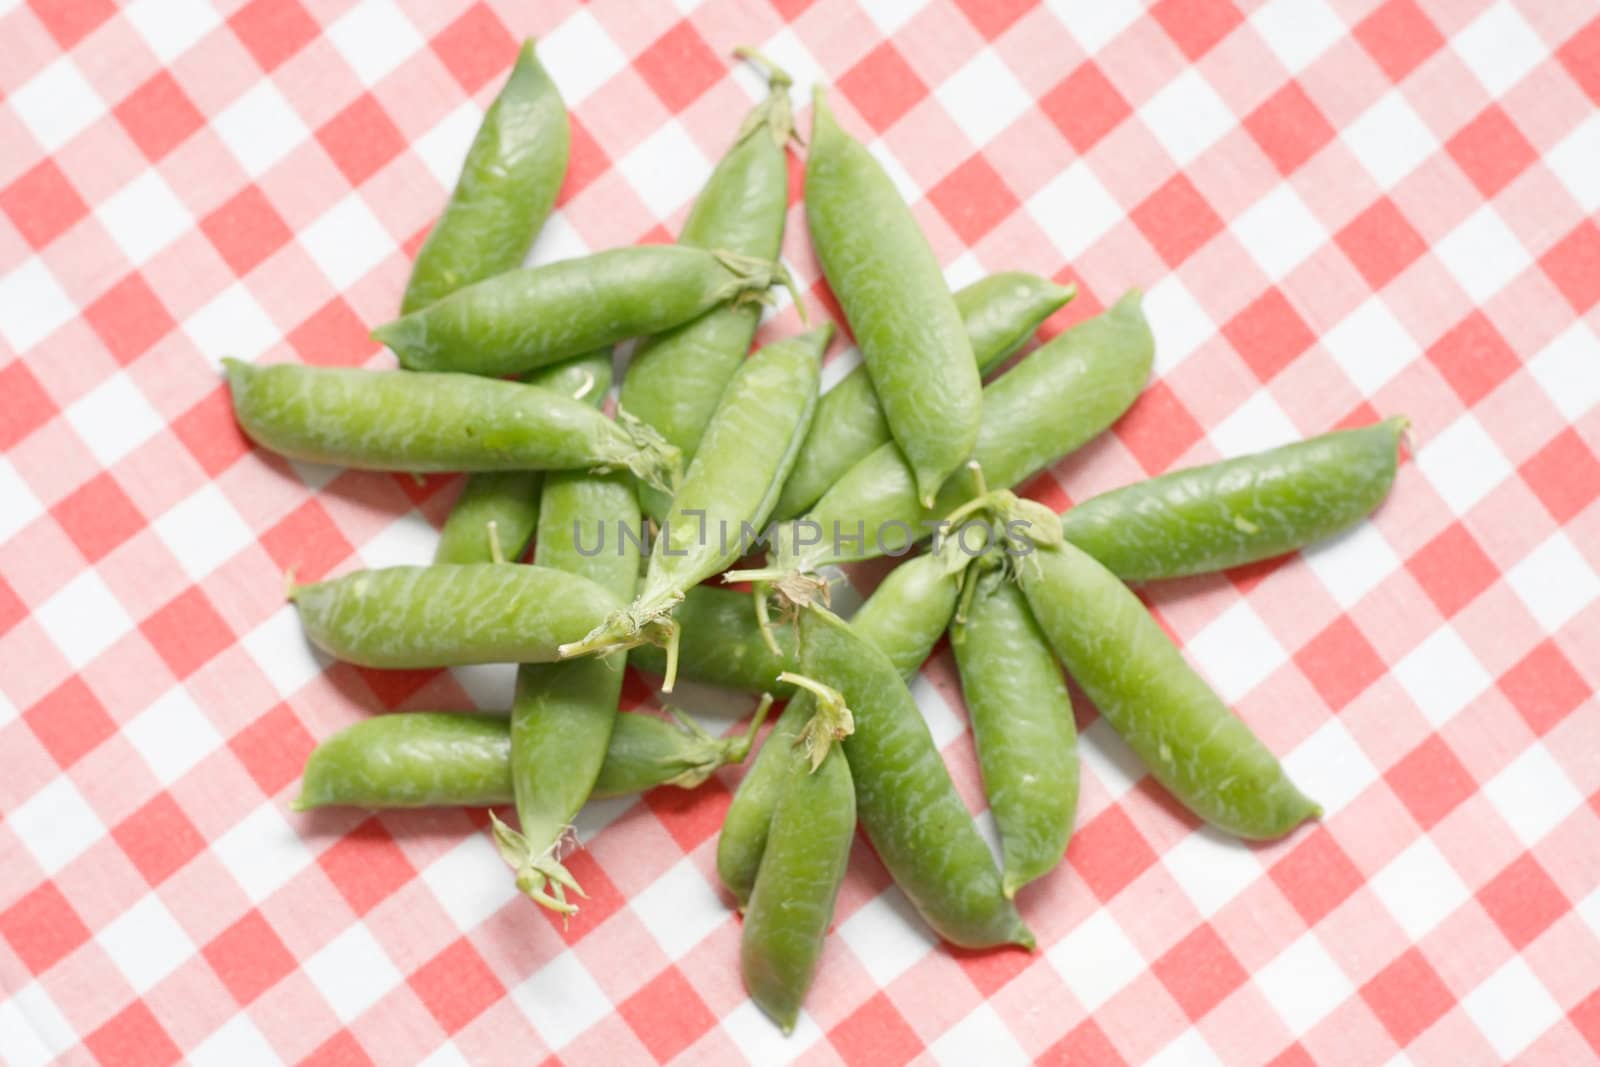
[
  {"x": 249, "y": 957},
  {"x": 42, "y": 927},
  {"x": 1085, "y": 106},
  {"x": 42, "y": 204},
  {"x": 1545, "y": 687},
  {"x": 457, "y": 986},
  {"x": 159, "y": 116}
]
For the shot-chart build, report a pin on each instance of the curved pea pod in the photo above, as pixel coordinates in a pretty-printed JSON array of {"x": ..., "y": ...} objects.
[
  {"x": 721, "y": 644},
  {"x": 1240, "y": 510},
  {"x": 999, "y": 313},
  {"x": 446, "y": 759},
  {"x": 563, "y": 714},
  {"x": 494, "y": 517},
  {"x": 904, "y": 617},
  {"x": 676, "y": 377},
  {"x": 507, "y": 187},
  {"x": 727, "y": 492},
  {"x": 808, "y": 849},
  {"x": 386, "y": 420},
  {"x": 904, "y": 796},
  {"x": 522, "y": 319},
  {"x": 1022, "y": 726},
  {"x": 1204, "y": 754},
  {"x": 893, "y": 293},
  {"x": 1054, "y": 400},
  {"x": 450, "y": 614}
]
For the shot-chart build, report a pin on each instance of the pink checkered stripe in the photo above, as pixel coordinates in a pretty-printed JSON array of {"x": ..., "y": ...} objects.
[{"x": 1338, "y": 208}]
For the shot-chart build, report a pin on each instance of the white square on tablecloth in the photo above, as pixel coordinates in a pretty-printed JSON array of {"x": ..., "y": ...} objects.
[
  {"x": 1187, "y": 116},
  {"x": 144, "y": 216},
  {"x": 347, "y": 241},
  {"x": 1189, "y": 1049},
  {"x": 280, "y": 648},
  {"x": 471, "y": 881},
  {"x": 444, "y": 148},
  {"x": 1258, "y": 424},
  {"x": 1096, "y": 959},
  {"x": 237, "y": 1043},
  {"x": 1074, "y": 210},
  {"x": 232, "y": 324},
  {"x": 260, "y": 128},
  {"x": 32, "y": 305},
  {"x": 983, "y": 97},
  {"x": 1236, "y": 652},
  {"x": 1499, "y": 47},
  {"x": 170, "y": 27},
  {"x": 1511, "y": 1008},
  {"x": 1370, "y": 345},
  {"x": 1463, "y": 463},
  {"x": 146, "y": 943},
  {"x": 908, "y": 189},
  {"x": 172, "y": 735},
  {"x": 1533, "y": 794},
  {"x": 1211, "y": 868},
  {"x": 203, "y": 531},
  {"x": 56, "y": 824},
  {"x": 446, "y": 1055},
  {"x": 557, "y": 240},
  {"x": 580, "y": 57},
  {"x": 982, "y": 1037},
  {"x": 33, "y": 1031},
  {"x": 1441, "y": 675},
  {"x": 749, "y": 1028},
  {"x": 410, "y": 539},
  {"x": 666, "y": 169},
  {"x": 1179, "y": 322},
  {"x": 263, "y": 852},
  {"x": 1107, "y": 756},
  {"x": 561, "y": 1000},
  {"x": 1420, "y": 888},
  {"x": 943, "y": 721},
  {"x": 1303, "y": 984},
  {"x": 83, "y": 619},
  {"x": 1390, "y": 139},
  {"x": 680, "y": 909},
  {"x": 887, "y": 936},
  {"x": 56, "y": 104},
  {"x": 1555, "y": 581},
  {"x": 352, "y": 972},
  {"x": 1565, "y": 370},
  {"x": 1279, "y": 231},
  {"x": 1575, "y": 160},
  {"x": 374, "y": 37},
  {"x": 1330, "y": 767},
  {"x": 1096, "y": 25},
  {"x": 1482, "y": 254},
  {"x": 1298, "y": 31},
  {"x": 18, "y": 505},
  {"x": 889, "y": 15},
  {"x": 113, "y": 419}
]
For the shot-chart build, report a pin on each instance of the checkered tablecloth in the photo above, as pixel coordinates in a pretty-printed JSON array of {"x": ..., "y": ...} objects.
[{"x": 1339, "y": 208}]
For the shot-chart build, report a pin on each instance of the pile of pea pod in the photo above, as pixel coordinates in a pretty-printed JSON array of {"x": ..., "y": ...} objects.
[{"x": 506, "y": 374}]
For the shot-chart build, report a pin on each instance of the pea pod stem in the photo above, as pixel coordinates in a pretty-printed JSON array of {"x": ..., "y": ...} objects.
[{"x": 830, "y": 721}]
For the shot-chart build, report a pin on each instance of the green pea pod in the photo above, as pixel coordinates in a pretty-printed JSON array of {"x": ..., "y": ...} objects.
[
  {"x": 1204, "y": 754},
  {"x": 727, "y": 492},
  {"x": 495, "y": 515},
  {"x": 522, "y": 319},
  {"x": 808, "y": 849},
  {"x": 563, "y": 714},
  {"x": 893, "y": 293},
  {"x": 1021, "y": 725},
  {"x": 906, "y": 801},
  {"x": 450, "y": 614},
  {"x": 444, "y": 759},
  {"x": 507, "y": 187},
  {"x": 904, "y": 617},
  {"x": 1055, "y": 399},
  {"x": 721, "y": 644},
  {"x": 1240, "y": 510},
  {"x": 676, "y": 377},
  {"x": 999, "y": 313},
  {"x": 385, "y": 420}
]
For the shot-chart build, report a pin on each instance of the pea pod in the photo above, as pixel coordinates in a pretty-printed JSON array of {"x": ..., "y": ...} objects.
[
  {"x": 906, "y": 801},
  {"x": 507, "y": 187},
  {"x": 999, "y": 313},
  {"x": 495, "y": 515},
  {"x": 1055, "y": 399},
  {"x": 903, "y": 618},
  {"x": 1022, "y": 726},
  {"x": 808, "y": 849},
  {"x": 1199, "y": 750},
  {"x": 728, "y": 491},
  {"x": 450, "y": 614},
  {"x": 721, "y": 644},
  {"x": 563, "y": 714},
  {"x": 446, "y": 759},
  {"x": 676, "y": 377},
  {"x": 893, "y": 293},
  {"x": 385, "y": 420},
  {"x": 522, "y": 319},
  {"x": 1240, "y": 510}
]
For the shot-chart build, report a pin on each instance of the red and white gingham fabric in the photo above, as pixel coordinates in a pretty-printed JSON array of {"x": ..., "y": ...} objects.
[{"x": 1339, "y": 209}]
